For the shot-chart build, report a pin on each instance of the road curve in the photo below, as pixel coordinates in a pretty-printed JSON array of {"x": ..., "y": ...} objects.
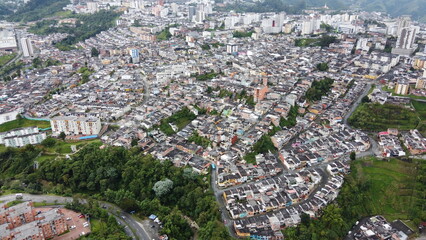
[{"x": 137, "y": 232}]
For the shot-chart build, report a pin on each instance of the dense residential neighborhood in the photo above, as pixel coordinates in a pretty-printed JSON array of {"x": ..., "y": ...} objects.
[{"x": 265, "y": 104}]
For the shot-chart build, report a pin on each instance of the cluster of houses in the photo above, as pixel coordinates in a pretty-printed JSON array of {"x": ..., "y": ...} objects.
[
  {"x": 269, "y": 225},
  {"x": 377, "y": 227},
  {"x": 239, "y": 89},
  {"x": 230, "y": 172},
  {"x": 414, "y": 141},
  {"x": 321, "y": 144},
  {"x": 389, "y": 144},
  {"x": 270, "y": 194}
]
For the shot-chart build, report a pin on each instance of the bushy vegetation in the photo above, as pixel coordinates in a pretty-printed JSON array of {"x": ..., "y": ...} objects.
[
  {"x": 205, "y": 76},
  {"x": 393, "y": 189},
  {"x": 323, "y": 41},
  {"x": 87, "y": 26},
  {"x": 180, "y": 119},
  {"x": 85, "y": 74},
  {"x": 291, "y": 117},
  {"x": 237, "y": 96},
  {"x": 199, "y": 140},
  {"x": 37, "y": 9},
  {"x": 303, "y": 42},
  {"x": 322, "y": 67},
  {"x": 39, "y": 63},
  {"x": 239, "y": 34},
  {"x": 164, "y": 35},
  {"x": 12, "y": 70},
  {"x": 377, "y": 117},
  {"x": 327, "y": 27},
  {"x": 43, "y": 27},
  {"x": 420, "y": 108},
  {"x": 264, "y": 145},
  {"x": 126, "y": 178},
  {"x": 319, "y": 89}
]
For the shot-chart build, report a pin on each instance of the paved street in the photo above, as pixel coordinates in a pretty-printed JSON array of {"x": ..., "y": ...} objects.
[
  {"x": 226, "y": 218},
  {"x": 132, "y": 227}
]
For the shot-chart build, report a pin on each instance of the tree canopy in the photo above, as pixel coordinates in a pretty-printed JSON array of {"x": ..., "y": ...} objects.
[
  {"x": 133, "y": 181},
  {"x": 319, "y": 89}
]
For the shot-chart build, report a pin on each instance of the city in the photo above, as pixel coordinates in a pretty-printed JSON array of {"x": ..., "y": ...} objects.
[{"x": 267, "y": 110}]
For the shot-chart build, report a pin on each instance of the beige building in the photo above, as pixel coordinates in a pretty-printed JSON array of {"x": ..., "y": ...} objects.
[
  {"x": 402, "y": 88},
  {"x": 421, "y": 81},
  {"x": 72, "y": 125}
]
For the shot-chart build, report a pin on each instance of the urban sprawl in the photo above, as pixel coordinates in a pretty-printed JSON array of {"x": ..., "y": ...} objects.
[{"x": 218, "y": 86}]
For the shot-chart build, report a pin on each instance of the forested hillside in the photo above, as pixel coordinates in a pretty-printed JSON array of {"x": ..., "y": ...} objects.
[
  {"x": 134, "y": 181},
  {"x": 38, "y": 9}
]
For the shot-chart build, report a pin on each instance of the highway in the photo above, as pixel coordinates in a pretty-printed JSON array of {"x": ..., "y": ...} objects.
[{"x": 132, "y": 227}]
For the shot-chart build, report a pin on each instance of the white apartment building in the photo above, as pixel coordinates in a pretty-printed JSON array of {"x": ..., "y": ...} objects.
[
  {"x": 22, "y": 136},
  {"x": 72, "y": 125},
  {"x": 27, "y": 47}
]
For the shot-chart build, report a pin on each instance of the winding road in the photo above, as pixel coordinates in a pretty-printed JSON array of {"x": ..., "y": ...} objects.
[{"x": 132, "y": 227}]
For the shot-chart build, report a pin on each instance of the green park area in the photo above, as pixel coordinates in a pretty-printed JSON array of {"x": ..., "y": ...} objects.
[
  {"x": 199, "y": 140},
  {"x": 392, "y": 188},
  {"x": 239, "y": 34},
  {"x": 377, "y": 117},
  {"x": 319, "y": 89},
  {"x": 180, "y": 119},
  {"x": 6, "y": 58},
  {"x": 22, "y": 122},
  {"x": 264, "y": 145},
  {"x": 421, "y": 112},
  {"x": 323, "y": 41}
]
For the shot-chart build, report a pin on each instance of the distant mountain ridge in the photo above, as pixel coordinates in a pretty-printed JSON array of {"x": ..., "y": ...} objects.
[{"x": 415, "y": 8}]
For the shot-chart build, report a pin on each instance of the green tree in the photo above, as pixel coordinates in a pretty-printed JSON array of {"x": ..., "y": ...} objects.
[
  {"x": 48, "y": 142},
  {"x": 322, "y": 67},
  {"x": 37, "y": 62},
  {"x": 353, "y": 156},
  {"x": 134, "y": 142},
  {"x": 163, "y": 187},
  {"x": 94, "y": 52},
  {"x": 62, "y": 136},
  {"x": 365, "y": 99}
]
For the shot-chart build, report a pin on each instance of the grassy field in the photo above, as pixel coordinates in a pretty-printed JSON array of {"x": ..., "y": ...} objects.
[
  {"x": 377, "y": 117},
  {"x": 303, "y": 42},
  {"x": 43, "y": 204},
  {"x": 6, "y": 58},
  {"x": 64, "y": 147},
  {"x": 421, "y": 112},
  {"x": 420, "y": 108},
  {"x": 392, "y": 186},
  {"x": 180, "y": 119},
  {"x": 22, "y": 122}
]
